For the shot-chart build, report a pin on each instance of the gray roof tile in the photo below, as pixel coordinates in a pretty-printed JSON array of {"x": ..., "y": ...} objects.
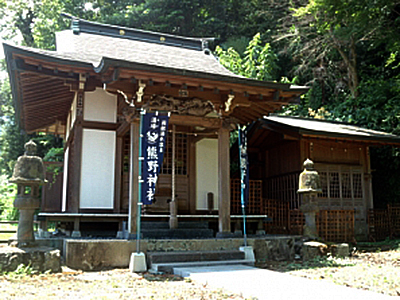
[
  {"x": 319, "y": 127},
  {"x": 92, "y": 47}
]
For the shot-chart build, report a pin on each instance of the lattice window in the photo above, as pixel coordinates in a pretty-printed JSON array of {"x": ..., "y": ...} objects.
[
  {"x": 342, "y": 187},
  {"x": 324, "y": 184},
  {"x": 357, "y": 186},
  {"x": 334, "y": 187},
  {"x": 346, "y": 185},
  {"x": 181, "y": 157}
]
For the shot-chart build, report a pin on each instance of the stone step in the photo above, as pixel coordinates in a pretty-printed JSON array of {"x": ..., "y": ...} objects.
[
  {"x": 176, "y": 268},
  {"x": 187, "y": 233},
  {"x": 193, "y": 256},
  {"x": 185, "y": 270}
]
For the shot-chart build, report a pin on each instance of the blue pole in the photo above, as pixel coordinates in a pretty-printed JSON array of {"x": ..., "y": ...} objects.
[
  {"x": 139, "y": 210},
  {"x": 242, "y": 187}
]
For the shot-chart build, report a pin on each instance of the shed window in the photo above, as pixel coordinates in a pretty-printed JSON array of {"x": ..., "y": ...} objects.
[{"x": 341, "y": 185}]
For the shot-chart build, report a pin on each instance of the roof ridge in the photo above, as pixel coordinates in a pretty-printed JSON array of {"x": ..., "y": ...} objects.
[
  {"x": 80, "y": 25},
  {"x": 312, "y": 119}
]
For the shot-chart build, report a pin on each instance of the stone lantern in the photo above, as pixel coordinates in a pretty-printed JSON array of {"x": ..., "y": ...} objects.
[
  {"x": 29, "y": 176},
  {"x": 309, "y": 187}
]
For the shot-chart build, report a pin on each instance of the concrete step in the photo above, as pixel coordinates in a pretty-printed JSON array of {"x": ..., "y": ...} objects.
[
  {"x": 180, "y": 233},
  {"x": 176, "y": 261},
  {"x": 193, "y": 256},
  {"x": 180, "y": 268}
]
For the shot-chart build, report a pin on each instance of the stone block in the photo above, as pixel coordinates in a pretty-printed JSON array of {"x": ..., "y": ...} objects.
[
  {"x": 138, "y": 262},
  {"x": 340, "y": 250},
  {"x": 311, "y": 250},
  {"x": 40, "y": 259}
]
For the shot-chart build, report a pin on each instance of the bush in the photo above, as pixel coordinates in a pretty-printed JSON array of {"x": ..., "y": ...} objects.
[{"x": 8, "y": 191}]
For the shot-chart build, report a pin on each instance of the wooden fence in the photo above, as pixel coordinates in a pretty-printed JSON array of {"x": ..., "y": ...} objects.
[
  {"x": 278, "y": 215},
  {"x": 384, "y": 223},
  {"x": 336, "y": 225},
  {"x": 255, "y": 205},
  {"x": 332, "y": 225},
  {"x": 14, "y": 230},
  {"x": 284, "y": 188}
]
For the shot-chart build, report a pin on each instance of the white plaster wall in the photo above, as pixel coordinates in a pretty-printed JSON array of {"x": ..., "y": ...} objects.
[
  {"x": 206, "y": 172},
  {"x": 98, "y": 169},
  {"x": 100, "y": 106},
  {"x": 65, "y": 181}
]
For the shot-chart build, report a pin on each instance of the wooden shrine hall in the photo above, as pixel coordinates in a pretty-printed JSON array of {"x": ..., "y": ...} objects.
[{"x": 90, "y": 91}]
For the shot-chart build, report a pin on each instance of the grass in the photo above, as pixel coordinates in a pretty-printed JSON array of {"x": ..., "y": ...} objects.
[
  {"x": 388, "y": 244},
  {"x": 112, "y": 284},
  {"x": 6, "y": 236},
  {"x": 373, "y": 266},
  {"x": 367, "y": 273}
]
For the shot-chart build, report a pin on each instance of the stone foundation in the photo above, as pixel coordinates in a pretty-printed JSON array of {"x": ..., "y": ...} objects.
[
  {"x": 101, "y": 254},
  {"x": 40, "y": 259}
]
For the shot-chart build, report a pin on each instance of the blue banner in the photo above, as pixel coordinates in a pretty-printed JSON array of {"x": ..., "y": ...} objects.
[
  {"x": 154, "y": 132},
  {"x": 244, "y": 167}
]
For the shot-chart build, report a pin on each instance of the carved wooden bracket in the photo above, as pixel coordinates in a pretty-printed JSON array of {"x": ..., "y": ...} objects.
[
  {"x": 140, "y": 92},
  {"x": 188, "y": 106},
  {"x": 228, "y": 102}
]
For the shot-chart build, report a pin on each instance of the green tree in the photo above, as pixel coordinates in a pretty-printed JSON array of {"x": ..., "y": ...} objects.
[
  {"x": 331, "y": 32},
  {"x": 258, "y": 62}
]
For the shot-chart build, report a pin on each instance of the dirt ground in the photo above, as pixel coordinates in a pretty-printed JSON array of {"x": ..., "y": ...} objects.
[
  {"x": 375, "y": 271},
  {"x": 111, "y": 284}
]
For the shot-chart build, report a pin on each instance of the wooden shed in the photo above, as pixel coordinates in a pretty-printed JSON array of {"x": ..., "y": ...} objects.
[{"x": 278, "y": 146}]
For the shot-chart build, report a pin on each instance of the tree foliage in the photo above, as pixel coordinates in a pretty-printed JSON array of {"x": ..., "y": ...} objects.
[{"x": 258, "y": 61}]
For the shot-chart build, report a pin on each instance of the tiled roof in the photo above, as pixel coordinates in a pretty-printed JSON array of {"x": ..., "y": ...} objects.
[
  {"x": 333, "y": 129},
  {"x": 92, "y": 48},
  {"x": 96, "y": 50}
]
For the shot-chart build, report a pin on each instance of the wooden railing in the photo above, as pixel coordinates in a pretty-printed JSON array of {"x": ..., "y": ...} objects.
[
  {"x": 384, "y": 223},
  {"x": 332, "y": 225},
  {"x": 284, "y": 188},
  {"x": 13, "y": 230},
  {"x": 278, "y": 216},
  {"x": 255, "y": 205}
]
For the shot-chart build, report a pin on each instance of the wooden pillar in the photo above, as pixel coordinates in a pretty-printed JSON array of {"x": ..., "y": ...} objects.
[
  {"x": 368, "y": 191},
  {"x": 75, "y": 175},
  {"x": 133, "y": 178},
  {"x": 192, "y": 176},
  {"x": 224, "y": 185},
  {"x": 173, "y": 207},
  {"x": 118, "y": 175},
  {"x": 76, "y": 232}
]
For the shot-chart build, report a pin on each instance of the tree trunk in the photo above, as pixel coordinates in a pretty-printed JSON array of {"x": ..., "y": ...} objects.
[{"x": 350, "y": 61}]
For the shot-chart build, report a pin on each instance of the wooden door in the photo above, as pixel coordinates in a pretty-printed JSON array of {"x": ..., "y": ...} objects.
[{"x": 165, "y": 177}]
